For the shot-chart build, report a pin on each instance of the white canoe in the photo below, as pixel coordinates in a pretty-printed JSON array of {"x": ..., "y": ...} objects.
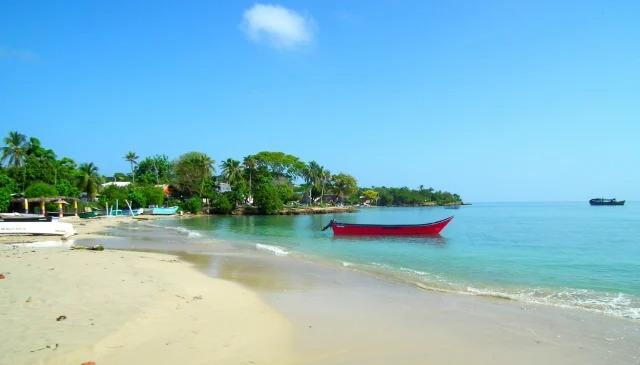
[{"x": 53, "y": 227}]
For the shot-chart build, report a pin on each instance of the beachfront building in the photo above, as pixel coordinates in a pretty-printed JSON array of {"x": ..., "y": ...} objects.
[{"x": 58, "y": 206}]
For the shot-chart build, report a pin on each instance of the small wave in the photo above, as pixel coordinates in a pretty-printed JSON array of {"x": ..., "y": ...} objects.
[
  {"x": 278, "y": 251},
  {"x": 615, "y": 304},
  {"x": 347, "y": 263},
  {"x": 186, "y": 231}
]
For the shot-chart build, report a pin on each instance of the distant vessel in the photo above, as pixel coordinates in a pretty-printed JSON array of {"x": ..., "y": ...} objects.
[
  {"x": 164, "y": 211},
  {"x": 601, "y": 201}
]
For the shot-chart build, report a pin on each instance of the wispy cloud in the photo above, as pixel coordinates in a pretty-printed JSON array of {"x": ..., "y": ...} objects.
[
  {"x": 277, "y": 26},
  {"x": 7, "y": 53}
]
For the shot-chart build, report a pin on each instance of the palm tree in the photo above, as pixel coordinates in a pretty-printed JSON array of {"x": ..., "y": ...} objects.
[
  {"x": 311, "y": 175},
  {"x": 250, "y": 165},
  {"x": 88, "y": 179},
  {"x": 133, "y": 160},
  {"x": 206, "y": 164},
  {"x": 231, "y": 171},
  {"x": 325, "y": 177},
  {"x": 15, "y": 152}
]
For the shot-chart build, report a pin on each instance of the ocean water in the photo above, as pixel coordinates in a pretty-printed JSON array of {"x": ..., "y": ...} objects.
[{"x": 563, "y": 254}]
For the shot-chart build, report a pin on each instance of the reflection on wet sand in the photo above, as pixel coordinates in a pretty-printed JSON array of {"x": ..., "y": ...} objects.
[{"x": 259, "y": 272}]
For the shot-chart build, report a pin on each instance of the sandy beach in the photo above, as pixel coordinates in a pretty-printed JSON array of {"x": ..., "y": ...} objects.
[
  {"x": 62, "y": 306},
  {"x": 213, "y": 302}
]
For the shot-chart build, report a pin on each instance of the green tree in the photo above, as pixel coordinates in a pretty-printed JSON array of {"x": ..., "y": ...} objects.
[
  {"x": 154, "y": 170},
  {"x": 371, "y": 195},
  {"x": 152, "y": 195},
  {"x": 14, "y": 153},
  {"x": 112, "y": 194},
  {"x": 193, "y": 170},
  {"x": 325, "y": 178},
  {"x": 223, "y": 204},
  {"x": 344, "y": 185},
  {"x": 267, "y": 198},
  {"x": 279, "y": 164},
  {"x": 7, "y": 187},
  {"x": 193, "y": 205},
  {"x": 88, "y": 179},
  {"x": 65, "y": 188},
  {"x": 40, "y": 190},
  {"x": 132, "y": 158},
  {"x": 250, "y": 164},
  {"x": 232, "y": 171},
  {"x": 14, "y": 150}
]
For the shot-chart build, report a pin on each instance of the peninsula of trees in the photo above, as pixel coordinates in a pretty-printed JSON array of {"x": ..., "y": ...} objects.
[{"x": 263, "y": 183}]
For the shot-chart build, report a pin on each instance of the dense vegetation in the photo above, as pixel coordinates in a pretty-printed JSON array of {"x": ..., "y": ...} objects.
[{"x": 265, "y": 182}]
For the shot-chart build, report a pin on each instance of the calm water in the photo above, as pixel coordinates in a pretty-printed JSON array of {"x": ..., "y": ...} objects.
[{"x": 567, "y": 254}]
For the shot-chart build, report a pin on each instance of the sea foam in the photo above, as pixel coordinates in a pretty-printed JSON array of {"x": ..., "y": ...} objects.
[{"x": 278, "y": 251}]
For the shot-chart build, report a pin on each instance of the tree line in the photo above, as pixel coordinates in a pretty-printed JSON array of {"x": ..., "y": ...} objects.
[{"x": 263, "y": 183}]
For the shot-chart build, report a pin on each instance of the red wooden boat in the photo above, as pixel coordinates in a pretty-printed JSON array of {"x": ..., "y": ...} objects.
[{"x": 348, "y": 229}]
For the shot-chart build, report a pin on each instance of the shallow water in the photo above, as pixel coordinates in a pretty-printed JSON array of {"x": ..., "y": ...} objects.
[{"x": 565, "y": 254}]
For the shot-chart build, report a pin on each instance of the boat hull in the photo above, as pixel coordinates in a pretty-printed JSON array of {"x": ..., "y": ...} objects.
[
  {"x": 429, "y": 229},
  {"x": 164, "y": 211},
  {"x": 53, "y": 228}
]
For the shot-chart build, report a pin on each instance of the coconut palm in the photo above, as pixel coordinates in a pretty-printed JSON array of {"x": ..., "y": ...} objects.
[
  {"x": 231, "y": 171},
  {"x": 325, "y": 176},
  {"x": 309, "y": 174},
  {"x": 15, "y": 149},
  {"x": 250, "y": 165},
  {"x": 206, "y": 165},
  {"x": 133, "y": 160},
  {"x": 88, "y": 179}
]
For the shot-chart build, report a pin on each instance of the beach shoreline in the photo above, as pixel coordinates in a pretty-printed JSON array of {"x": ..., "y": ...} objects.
[
  {"x": 332, "y": 315},
  {"x": 63, "y": 306}
]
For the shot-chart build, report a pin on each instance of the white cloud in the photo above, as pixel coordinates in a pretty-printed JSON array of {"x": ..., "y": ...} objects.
[
  {"x": 277, "y": 26},
  {"x": 17, "y": 54}
]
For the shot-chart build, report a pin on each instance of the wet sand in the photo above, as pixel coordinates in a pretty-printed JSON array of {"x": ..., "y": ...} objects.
[
  {"x": 341, "y": 316},
  {"x": 62, "y": 306}
]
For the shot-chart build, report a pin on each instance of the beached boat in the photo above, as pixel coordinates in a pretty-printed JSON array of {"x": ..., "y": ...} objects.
[
  {"x": 602, "y": 201},
  {"x": 349, "y": 229},
  {"x": 125, "y": 212},
  {"x": 164, "y": 210},
  {"x": 30, "y": 225}
]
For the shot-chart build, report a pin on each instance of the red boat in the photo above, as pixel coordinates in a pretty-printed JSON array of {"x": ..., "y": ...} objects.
[{"x": 348, "y": 229}]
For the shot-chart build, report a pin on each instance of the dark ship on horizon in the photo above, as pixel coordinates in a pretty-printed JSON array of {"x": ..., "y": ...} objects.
[{"x": 602, "y": 201}]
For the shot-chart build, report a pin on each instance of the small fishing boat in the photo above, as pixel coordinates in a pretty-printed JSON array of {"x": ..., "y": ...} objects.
[
  {"x": 602, "y": 201},
  {"x": 164, "y": 210},
  {"x": 349, "y": 229},
  {"x": 30, "y": 225}
]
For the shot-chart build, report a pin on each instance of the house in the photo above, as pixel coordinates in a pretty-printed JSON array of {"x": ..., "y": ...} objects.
[
  {"x": 224, "y": 187},
  {"x": 120, "y": 184}
]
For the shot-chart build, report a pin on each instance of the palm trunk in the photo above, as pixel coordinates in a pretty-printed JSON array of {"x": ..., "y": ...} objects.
[{"x": 322, "y": 193}]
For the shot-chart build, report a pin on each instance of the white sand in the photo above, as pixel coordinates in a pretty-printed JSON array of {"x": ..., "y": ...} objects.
[{"x": 129, "y": 308}]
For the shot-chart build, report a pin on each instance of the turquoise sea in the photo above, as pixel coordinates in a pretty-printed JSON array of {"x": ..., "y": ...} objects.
[{"x": 564, "y": 254}]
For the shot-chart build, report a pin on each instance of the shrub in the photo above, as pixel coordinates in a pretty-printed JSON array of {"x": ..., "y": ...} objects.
[
  {"x": 193, "y": 205},
  {"x": 267, "y": 199},
  {"x": 65, "y": 188},
  {"x": 223, "y": 205},
  {"x": 7, "y": 187},
  {"x": 40, "y": 190},
  {"x": 152, "y": 195}
]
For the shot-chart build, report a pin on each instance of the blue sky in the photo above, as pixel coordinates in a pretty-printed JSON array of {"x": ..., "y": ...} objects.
[{"x": 495, "y": 100}]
